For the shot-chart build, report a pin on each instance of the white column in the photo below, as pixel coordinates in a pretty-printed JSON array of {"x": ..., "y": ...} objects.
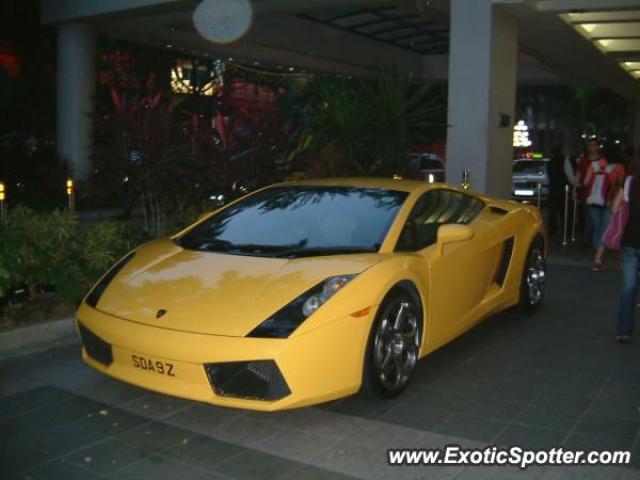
[
  {"x": 482, "y": 84},
  {"x": 75, "y": 96}
]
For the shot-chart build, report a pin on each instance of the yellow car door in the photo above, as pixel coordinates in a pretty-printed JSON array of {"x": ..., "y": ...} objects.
[
  {"x": 460, "y": 277},
  {"x": 459, "y": 273}
]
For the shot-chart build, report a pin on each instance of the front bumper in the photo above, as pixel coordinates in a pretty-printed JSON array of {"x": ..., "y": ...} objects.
[
  {"x": 528, "y": 191},
  {"x": 321, "y": 365}
]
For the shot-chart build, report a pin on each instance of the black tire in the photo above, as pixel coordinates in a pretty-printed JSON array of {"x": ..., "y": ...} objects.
[
  {"x": 401, "y": 345},
  {"x": 533, "y": 282}
]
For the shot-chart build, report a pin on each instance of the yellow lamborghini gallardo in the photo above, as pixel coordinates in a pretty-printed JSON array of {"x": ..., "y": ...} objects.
[{"x": 308, "y": 291}]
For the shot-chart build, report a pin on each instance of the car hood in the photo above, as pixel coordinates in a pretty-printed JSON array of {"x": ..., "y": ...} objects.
[{"x": 215, "y": 293}]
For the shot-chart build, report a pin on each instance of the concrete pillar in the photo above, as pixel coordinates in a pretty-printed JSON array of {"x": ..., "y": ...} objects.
[
  {"x": 482, "y": 86},
  {"x": 75, "y": 96}
]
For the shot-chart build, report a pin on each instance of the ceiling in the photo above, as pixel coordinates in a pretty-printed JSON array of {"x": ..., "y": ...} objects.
[
  {"x": 612, "y": 26},
  {"x": 560, "y": 41},
  {"x": 393, "y": 25}
]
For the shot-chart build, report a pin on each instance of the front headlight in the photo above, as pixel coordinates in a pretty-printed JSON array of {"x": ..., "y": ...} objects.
[{"x": 282, "y": 323}]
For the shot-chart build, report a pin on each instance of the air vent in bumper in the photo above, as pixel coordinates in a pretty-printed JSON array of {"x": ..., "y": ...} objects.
[
  {"x": 96, "y": 348},
  {"x": 257, "y": 379}
]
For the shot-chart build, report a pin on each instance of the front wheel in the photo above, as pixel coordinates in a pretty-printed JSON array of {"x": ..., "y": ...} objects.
[
  {"x": 534, "y": 277},
  {"x": 394, "y": 344}
]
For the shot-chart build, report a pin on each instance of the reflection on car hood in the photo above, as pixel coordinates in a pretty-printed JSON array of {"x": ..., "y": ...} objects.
[{"x": 215, "y": 293}]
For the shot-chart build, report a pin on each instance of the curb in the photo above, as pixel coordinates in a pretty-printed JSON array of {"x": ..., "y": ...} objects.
[{"x": 36, "y": 338}]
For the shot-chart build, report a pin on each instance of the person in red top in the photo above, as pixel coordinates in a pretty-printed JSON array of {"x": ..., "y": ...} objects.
[{"x": 597, "y": 186}]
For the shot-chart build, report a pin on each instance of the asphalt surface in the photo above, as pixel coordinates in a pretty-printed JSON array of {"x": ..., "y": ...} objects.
[{"x": 556, "y": 378}]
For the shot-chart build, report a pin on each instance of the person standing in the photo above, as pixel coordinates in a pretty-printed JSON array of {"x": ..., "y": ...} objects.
[
  {"x": 596, "y": 185},
  {"x": 616, "y": 173},
  {"x": 630, "y": 257}
]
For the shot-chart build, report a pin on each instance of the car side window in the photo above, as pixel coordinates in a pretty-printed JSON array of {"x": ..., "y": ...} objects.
[{"x": 435, "y": 208}]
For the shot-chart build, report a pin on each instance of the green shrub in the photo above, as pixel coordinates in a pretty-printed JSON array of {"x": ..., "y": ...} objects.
[{"x": 55, "y": 251}]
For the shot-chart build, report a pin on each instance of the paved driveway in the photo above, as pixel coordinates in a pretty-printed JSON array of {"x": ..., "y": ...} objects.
[{"x": 555, "y": 378}]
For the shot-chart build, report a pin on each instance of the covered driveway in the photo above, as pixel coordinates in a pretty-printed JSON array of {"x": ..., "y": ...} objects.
[{"x": 553, "y": 379}]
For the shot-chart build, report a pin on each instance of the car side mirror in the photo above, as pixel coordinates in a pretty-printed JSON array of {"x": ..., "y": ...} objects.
[{"x": 452, "y": 233}]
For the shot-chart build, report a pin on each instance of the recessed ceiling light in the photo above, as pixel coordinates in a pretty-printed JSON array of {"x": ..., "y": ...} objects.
[
  {"x": 631, "y": 65},
  {"x": 588, "y": 27}
]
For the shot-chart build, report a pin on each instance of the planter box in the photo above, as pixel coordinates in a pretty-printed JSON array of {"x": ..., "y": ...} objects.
[{"x": 34, "y": 338}]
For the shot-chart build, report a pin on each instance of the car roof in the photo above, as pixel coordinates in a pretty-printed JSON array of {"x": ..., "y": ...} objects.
[{"x": 372, "y": 182}]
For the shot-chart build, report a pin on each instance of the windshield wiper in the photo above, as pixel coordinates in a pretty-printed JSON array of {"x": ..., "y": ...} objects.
[
  {"x": 318, "y": 251},
  {"x": 211, "y": 245},
  {"x": 217, "y": 245},
  {"x": 295, "y": 250}
]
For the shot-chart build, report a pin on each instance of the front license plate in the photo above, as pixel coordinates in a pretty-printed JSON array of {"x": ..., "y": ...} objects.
[{"x": 152, "y": 365}]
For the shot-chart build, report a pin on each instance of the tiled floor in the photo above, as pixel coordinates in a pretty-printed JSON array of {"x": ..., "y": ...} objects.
[{"x": 554, "y": 378}]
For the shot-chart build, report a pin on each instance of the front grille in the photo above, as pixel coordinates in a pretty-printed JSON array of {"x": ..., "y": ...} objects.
[
  {"x": 96, "y": 347},
  {"x": 257, "y": 379}
]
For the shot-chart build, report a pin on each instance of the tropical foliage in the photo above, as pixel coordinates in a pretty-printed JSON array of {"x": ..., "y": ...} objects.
[
  {"x": 367, "y": 126},
  {"x": 141, "y": 145},
  {"x": 54, "y": 253},
  {"x": 173, "y": 159}
]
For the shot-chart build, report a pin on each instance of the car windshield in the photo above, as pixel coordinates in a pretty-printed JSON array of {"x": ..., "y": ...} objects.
[
  {"x": 299, "y": 221},
  {"x": 529, "y": 167},
  {"x": 425, "y": 162}
]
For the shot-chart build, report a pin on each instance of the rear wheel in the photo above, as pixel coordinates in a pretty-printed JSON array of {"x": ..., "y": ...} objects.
[
  {"x": 534, "y": 277},
  {"x": 394, "y": 344}
]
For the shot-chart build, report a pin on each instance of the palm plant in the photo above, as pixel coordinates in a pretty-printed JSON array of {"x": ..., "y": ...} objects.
[
  {"x": 365, "y": 127},
  {"x": 401, "y": 114},
  {"x": 330, "y": 114}
]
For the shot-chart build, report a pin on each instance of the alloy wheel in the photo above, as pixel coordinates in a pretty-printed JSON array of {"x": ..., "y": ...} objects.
[
  {"x": 396, "y": 344},
  {"x": 536, "y": 276}
]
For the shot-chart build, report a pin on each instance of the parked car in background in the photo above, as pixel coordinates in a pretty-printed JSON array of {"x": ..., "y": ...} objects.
[
  {"x": 528, "y": 173},
  {"x": 421, "y": 165}
]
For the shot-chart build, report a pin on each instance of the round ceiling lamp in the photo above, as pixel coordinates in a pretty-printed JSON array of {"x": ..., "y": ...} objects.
[{"x": 223, "y": 21}]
